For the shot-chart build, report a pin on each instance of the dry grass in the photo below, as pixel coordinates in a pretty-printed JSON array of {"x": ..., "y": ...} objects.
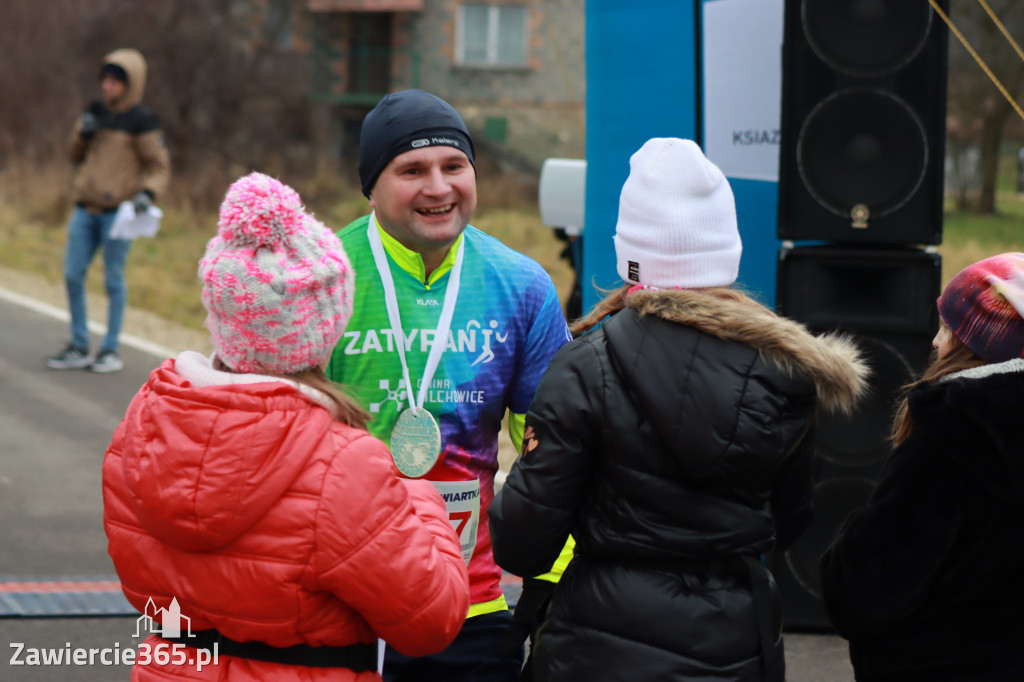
[
  {"x": 161, "y": 272},
  {"x": 163, "y": 288},
  {"x": 968, "y": 238}
]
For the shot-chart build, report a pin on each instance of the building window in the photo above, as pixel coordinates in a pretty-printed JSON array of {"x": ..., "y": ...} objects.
[{"x": 491, "y": 35}]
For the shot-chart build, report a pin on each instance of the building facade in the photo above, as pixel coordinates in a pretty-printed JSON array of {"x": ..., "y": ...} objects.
[{"x": 513, "y": 68}]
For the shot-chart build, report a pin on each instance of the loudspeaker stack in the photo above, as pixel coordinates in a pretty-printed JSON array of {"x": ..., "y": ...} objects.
[{"x": 860, "y": 201}]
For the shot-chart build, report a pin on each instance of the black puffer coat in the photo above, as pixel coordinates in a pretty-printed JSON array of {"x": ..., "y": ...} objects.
[
  {"x": 671, "y": 442},
  {"x": 926, "y": 580}
]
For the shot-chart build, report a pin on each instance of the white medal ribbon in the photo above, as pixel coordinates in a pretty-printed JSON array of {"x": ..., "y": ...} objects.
[{"x": 440, "y": 339}]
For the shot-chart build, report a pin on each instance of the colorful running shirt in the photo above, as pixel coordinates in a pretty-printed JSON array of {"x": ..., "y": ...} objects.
[{"x": 507, "y": 325}]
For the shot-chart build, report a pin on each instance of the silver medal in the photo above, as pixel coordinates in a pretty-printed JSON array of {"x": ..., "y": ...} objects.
[
  {"x": 415, "y": 442},
  {"x": 416, "y": 437}
]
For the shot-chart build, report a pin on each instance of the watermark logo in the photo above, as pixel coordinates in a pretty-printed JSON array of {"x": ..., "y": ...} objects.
[{"x": 171, "y": 625}]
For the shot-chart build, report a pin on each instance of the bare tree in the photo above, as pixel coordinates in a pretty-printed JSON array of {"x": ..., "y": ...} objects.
[
  {"x": 224, "y": 78},
  {"x": 978, "y": 111}
]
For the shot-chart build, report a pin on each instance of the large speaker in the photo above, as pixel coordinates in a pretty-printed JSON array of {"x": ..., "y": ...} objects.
[
  {"x": 863, "y": 122},
  {"x": 885, "y": 299}
]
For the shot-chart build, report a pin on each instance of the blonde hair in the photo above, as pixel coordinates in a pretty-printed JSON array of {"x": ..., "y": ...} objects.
[
  {"x": 958, "y": 357},
  {"x": 346, "y": 409}
]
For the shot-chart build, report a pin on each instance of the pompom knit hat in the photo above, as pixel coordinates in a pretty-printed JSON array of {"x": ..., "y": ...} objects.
[
  {"x": 984, "y": 307},
  {"x": 677, "y": 220},
  {"x": 277, "y": 284},
  {"x": 403, "y": 121}
]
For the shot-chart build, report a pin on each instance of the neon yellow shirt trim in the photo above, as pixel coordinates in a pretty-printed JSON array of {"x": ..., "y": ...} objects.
[
  {"x": 492, "y": 606},
  {"x": 516, "y": 426},
  {"x": 558, "y": 568},
  {"x": 411, "y": 261}
]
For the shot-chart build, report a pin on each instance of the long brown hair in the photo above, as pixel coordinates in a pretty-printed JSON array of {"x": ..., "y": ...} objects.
[
  {"x": 346, "y": 409},
  {"x": 957, "y": 358},
  {"x": 609, "y": 305}
]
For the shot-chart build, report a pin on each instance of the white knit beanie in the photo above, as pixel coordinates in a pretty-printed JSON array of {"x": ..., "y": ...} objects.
[{"x": 677, "y": 219}]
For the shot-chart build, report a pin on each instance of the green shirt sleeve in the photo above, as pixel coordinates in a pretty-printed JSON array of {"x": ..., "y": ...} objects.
[{"x": 516, "y": 426}]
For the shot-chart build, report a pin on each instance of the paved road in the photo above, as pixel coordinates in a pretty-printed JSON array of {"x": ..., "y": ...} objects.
[{"x": 54, "y": 427}]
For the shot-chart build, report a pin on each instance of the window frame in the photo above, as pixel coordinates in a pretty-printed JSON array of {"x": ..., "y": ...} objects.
[{"x": 493, "y": 26}]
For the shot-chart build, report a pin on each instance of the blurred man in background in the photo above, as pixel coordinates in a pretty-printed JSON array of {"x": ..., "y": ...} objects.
[{"x": 120, "y": 154}]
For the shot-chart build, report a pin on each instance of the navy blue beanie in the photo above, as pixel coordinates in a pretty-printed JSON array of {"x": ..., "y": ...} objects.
[
  {"x": 403, "y": 121},
  {"x": 114, "y": 70}
]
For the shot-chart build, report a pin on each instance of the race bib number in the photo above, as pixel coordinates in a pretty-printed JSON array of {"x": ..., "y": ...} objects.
[{"x": 462, "y": 499}]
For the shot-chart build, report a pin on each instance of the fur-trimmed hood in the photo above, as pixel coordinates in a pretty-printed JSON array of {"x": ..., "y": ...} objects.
[
  {"x": 134, "y": 65},
  {"x": 832, "y": 361}
]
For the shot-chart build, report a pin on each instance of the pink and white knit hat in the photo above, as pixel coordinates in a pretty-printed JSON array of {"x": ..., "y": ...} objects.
[
  {"x": 983, "y": 305},
  {"x": 277, "y": 285}
]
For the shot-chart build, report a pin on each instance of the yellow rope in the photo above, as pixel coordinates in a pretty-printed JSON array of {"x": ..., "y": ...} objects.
[
  {"x": 977, "y": 58},
  {"x": 1002, "y": 28}
]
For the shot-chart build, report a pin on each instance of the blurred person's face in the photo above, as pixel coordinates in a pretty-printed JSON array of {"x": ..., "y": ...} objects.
[
  {"x": 424, "y": 198},
  {"x": 943, "y": 340},
  {"x": 113, "y": 88}
]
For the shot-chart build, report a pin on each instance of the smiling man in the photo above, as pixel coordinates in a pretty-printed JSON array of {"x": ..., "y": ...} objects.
[{"x": 451, "y": 330}]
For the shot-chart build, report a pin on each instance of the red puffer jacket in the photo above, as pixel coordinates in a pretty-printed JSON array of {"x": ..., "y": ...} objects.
[{"x": 241, "y": 497}]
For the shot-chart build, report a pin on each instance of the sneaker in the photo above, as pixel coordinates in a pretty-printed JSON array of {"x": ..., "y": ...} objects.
[
  {"x": 106, "y": 361},
  {"x": 69, "y": 358}
]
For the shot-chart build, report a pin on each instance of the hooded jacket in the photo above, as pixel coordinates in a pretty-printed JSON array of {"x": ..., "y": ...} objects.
[
  {"x": 243, "y": 499},
  {"x": 127, "y": 154},
  {"x": 925, "y": 581},
  {"x": 672, "y": 442}
]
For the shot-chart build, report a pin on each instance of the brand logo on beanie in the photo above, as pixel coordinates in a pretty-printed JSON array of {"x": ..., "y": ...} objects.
[
  {"x": 428, "y": 141},
  {"x": 451, "y": 142},
  {"x": 634, "y": 271}
]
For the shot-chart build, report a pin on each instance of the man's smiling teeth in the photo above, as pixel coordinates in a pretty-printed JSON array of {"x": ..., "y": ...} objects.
[{"x": 437, "y": 211}]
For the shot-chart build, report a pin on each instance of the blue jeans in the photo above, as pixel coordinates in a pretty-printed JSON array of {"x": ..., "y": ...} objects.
[
  {"x": 474, "y": 656},
  {"x": 86, "y": 233}
]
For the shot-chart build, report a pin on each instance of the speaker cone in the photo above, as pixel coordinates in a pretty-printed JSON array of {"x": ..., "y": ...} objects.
[
  {"x": 862, "y": 147},
  {"x": 834, "y": 499},
  {"x": 862, "y": 437},
  {"x": 866, "y": 38}
]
